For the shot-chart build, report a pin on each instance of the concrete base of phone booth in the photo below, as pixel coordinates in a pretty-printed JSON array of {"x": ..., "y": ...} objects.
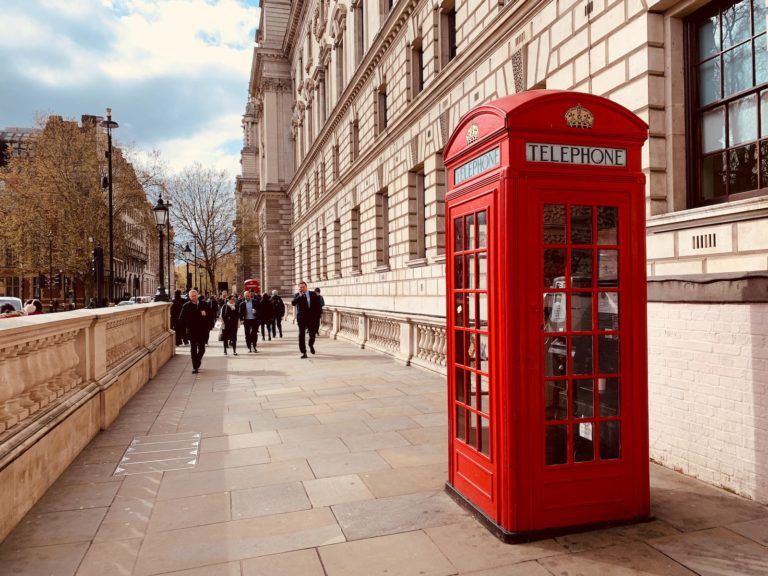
[{"x": 533, "y": 535}]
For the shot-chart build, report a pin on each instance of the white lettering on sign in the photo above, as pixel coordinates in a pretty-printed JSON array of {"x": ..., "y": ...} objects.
[
  {"x": 476, "y": 166},
  {"x": 570, "y": 154}
]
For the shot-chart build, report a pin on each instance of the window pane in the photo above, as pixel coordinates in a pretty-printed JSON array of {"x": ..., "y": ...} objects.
[
  {"x": 469, "y": 229},
  {"x": 759, "y": 16},
  {"x": 458, "y": 234},
  {"x": 471, "y": 350},
  {"x": 737, "y": 69},
  {"x": 608, "y": 311},
  {"x": 482, "y": 270},
  {"x": 713, "y": 130},
  {"x": 459, "y": 375},
  {"x": 483, "y": 352},
  {"x": 736, "y": 23},
  {"x": 764, "y": 164},
  {"x": 485, "y": 436},
  {"x": 608, "y": 353},
  {"x": 764, "y": 113},
  {"x": 459, "y": 311},
  {"x": 583, "y": 448},
  {"x": 555, "y": 359},
  {"x": 554, "y": 268},
  {"x": 482, "y": 230},
  {"x": 555, "y": 312},
  {"x": 485, "y": 391},
  {"x": 460, "y": 356},
  {"x": 742, "y": 169},
  {"x": 556, "y": 399},
  {"x": 709, "y": 81},
  {"x": 460, "y": 423},
  {"x": 482, "y": 311},
  {"x": 469, "y": 271},
  {"x": 709, "y": 38},
  {"x": 471, "y": 311},
  {"x": 472, "y": 432},
  {"x": 610, "y": 440},
  {"x": 582, "y": 354},
  {"x": 554, "y": 224},
  {"x": 742, "y": 121},
  {"x": 583, "y": 398},
  {"x": 607, "y": 225},
  {"x": 608, "y": 388},
  {"x": 581, "y": 224},
  {"x": 556, "y": 445},
  {"x": 608, "y": 268},
  {"x": 458, "y": 272},
  {"x": 761, "y": 60},
  {"x": 581, "y": 268},
  {"x": 581, "y": 311},
  {"x": 713, "y": 177}
]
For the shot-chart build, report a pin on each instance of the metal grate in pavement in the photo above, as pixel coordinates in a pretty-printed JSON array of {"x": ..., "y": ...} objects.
[{"x": 160, "y": 453}]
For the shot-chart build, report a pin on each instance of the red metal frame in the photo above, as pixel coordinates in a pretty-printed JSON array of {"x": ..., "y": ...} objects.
[{"x": 511, "y": 484}]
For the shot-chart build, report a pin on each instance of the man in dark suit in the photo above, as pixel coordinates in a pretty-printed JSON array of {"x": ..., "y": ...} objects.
[
  {"x": 249, "y": 314},
  {"x": 307, "y": 315},
  {"x": 197, "y": 319}
]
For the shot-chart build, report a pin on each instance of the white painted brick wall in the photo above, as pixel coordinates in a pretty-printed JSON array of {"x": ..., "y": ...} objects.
[{"x": 708, "y": 392}]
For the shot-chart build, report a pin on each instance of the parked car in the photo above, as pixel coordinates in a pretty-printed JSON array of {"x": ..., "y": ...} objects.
[
  {"x": 126, "y": 303},
  {"x": 15, "y": 302}
]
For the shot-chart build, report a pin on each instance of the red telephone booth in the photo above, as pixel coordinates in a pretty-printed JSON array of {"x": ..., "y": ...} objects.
[{"x": 546, "y": 314}]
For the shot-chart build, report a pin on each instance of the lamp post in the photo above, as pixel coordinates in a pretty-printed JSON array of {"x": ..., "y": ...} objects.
[
  {"x": 109, "y": 124},
  {"x": 197, "y": 272},
  {"x": 50, "y": 269},
  {"x": 161, "y": 217},
  {"x": 187, "y": 254}
]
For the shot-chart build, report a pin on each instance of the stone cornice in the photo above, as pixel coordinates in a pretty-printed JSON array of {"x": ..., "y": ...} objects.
[{"x": 295, "y": 22}]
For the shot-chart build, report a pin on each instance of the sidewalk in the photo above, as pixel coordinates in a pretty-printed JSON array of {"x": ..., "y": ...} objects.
[{"x": 335, "y": 466}]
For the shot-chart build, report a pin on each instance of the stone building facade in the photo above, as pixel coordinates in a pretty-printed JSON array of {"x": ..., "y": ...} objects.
[{"x": 352, "y": 101}]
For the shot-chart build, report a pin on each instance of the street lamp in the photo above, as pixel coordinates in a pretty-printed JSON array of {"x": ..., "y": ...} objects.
[
  {"x": 50, "y": 269},
  {"x": 187, "y": 254},
  {"x": 161, "y": 217},
  {"x": 109, "y": 124}
]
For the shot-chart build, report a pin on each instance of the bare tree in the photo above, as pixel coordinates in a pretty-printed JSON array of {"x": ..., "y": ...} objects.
[{"x": 203, "y": 209}]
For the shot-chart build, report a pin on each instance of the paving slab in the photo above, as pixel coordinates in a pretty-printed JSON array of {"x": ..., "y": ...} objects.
[
  {"x": 55, "y": 560},
  {"x": 55, "y": 528},
  {"x": 337, "y": 490},
  {"x": 301, "y": 562},
  {"x": 192, "y": 511},
  {"x": 113, "y": 558},
  {"x": 268, "y": 500}
]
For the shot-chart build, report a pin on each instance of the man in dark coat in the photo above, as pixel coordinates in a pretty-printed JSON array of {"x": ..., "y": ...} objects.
[
  {"x": 307, "y": 315},
  {"x": 249, "y": 315},
  {"x": 178, "y": 302},
  {"x": 197, "y": 319},
  {"x": 265, "y": 317},
  {"x": 278, "y": 311}
]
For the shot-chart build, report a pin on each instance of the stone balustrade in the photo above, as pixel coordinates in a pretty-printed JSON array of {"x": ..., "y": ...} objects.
[{"x": 64, "y": 377}]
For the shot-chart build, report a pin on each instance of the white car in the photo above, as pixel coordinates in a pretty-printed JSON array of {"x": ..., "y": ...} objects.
[{"x": 15, "y": 302}]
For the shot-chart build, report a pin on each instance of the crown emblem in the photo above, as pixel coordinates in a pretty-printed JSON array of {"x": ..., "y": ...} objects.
[
  {"x": 472, "y": 133},
  {"x": 579, "y": 117}
]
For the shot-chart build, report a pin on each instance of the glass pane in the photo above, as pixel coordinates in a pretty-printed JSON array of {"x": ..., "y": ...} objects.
[
  {"x": 472, "y": 433},
  {"x": 485, "y": 391},
  {"x": 482, "y": 230},
  {"x": 581, "y": 224},
  {"x": 460, "y": 423},
  {"x": 460, "y": 385},
  {"x": 713, "y": 130},
  {"x": 759, "y": 16},
  {"x": 608, "y": 268},
  {"x": 742, "y": 120},
  {"x": 555, "y": 356},
  {"x": 482, "y": 311},
  {"x": 709, "y": 81},
  {"x": 737, "y": 69},
  {"x": 583, "y": 398},
  {"x": 469, "y": 267},
  {"x": 582, "y": 354},
  {"x": 713, "y": 177},
  {"x": 764, "y": 113},
  {"x": 458, "y": 234},
  {"x": 709, "y": 38},
  {"x": 459, "y": 311},
  {"x": 761, "y": 60},
  {"x": 482, "y": 353},
  {"x": 581, "y": 311},
  {"x": 458, "y": 272},
  {"x": 607, "y": 225},
  {"x": 608, "y": 311},
  {"x": 736, "y": 23},
  {"x": 608, "y": 389},
  {"x": 471, "y": 311},
  {"x": 554, "y": 224},
  {"x": 608, "y": 353},
  {"x": 469, "y": 229},
  {"x": 485, "y": 436},
  {"x": 555, "y": 312},
  {"x": 460, "y": 357},
  {"x": 742, "y": 169},
  {"x": 471, "y": 350},
  {"x": 764, "y": 164},
  {"x": 583, "y": 448},
  {"x": 556, "y": 445},
  {"x": 556, "y": 399},
  {"x": 610, "y": 440},
  {"x": 554, "y": 268},
  {"x": 482, "y": 270},
  {"x": 581, "y": 268}
]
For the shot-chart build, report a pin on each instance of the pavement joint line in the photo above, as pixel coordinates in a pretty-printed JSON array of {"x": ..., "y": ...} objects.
[{"x": 149, "y": 461}]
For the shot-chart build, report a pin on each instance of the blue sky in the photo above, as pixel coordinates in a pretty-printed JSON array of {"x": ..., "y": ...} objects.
[{"x": 175, "y": 72}]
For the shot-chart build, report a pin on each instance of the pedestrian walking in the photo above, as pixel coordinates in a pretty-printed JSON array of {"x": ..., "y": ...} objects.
[
  {"x": 307, "y": 305},
  {"x": 198, "y": 320},
  {"x": 230, "y": 319},
  {"x": 248, "y": 312},
  {"x": 278, "y": 311},
  {"x": 319, "y": 317},
  {"x": 176, "y": 306},
  {"x": 265, "y": 316}
]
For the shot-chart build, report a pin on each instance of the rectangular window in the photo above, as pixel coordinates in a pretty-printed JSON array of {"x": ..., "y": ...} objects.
[
  {"x": 381, "y": 109},
  {"x": 354, "y": 231},
  {"x": 416, "y": 214},
  {"x": 335, "y": 162},
  {"x": 382, "y": 228},
  {"x": 447, "y": 33},
  {"x": 336, "y": 230},
  {"x": 359, "y": 32},
  {"x": 727, "y": 92},
  {"x": 308, "y": 269},
  {"x": 322, "y": 259},
  {"x": 417, "y": 67},
  {"x": 354, "y": 140},
  {"x": 339, "y": 70}
]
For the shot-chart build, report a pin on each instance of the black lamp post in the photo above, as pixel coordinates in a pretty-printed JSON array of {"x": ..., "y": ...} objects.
[
  {"x": 109, "y": 124},
  {"x": 161, "y": 217},
  {"x": 187, "y": 255},
  {"x": 50, "y": 269}
]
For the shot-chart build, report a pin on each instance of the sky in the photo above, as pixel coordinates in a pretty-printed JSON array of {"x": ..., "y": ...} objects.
[{"x": 174, "y": 72}]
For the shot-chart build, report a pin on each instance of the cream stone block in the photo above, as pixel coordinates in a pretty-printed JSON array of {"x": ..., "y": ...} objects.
[
  {"x": 628, "y": 38},
  {"x": 544, "y": 18},
  {"x": 574, "y": 46},
  {"x": 702, "y": 241},
  {"x": 561, "y": 79},
  {"x": 608, "y": 22},
  {"x": 752, "y": 235},
  {"x": 678, "y": 268},
  {"x": 754, "y": 263},
  {"x": 598, "y": 56},
  {"x": 609, "y": 78},
  {"x": 562, "y": 29},
  {"x": 660, "y": 245}
]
